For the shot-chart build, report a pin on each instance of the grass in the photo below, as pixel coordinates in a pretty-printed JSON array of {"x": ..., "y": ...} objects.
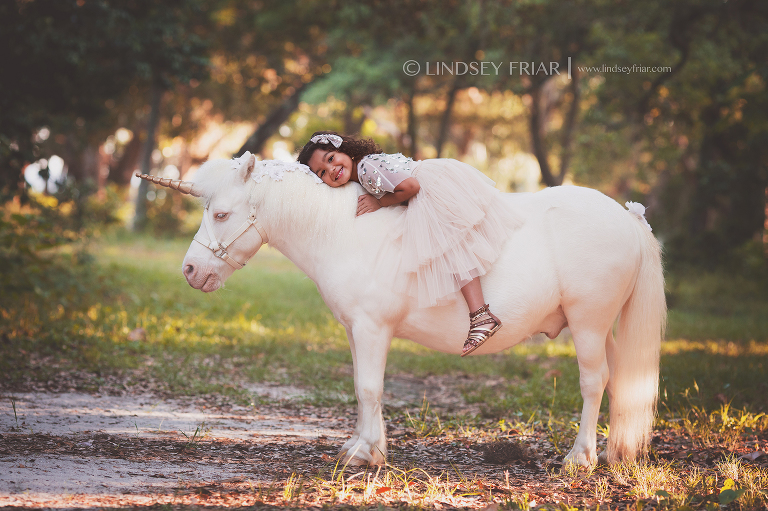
[
  {"x": 269, "y": 325},
  {"x": 720, "y": 305}
]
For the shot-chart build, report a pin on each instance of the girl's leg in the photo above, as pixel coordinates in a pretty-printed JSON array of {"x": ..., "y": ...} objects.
[
  {"x": 473, "y": 294},
  {"x": 482, "y": 324}
]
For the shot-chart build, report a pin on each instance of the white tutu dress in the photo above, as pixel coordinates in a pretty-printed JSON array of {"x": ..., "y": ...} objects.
[{"x": 452, "y": 230}]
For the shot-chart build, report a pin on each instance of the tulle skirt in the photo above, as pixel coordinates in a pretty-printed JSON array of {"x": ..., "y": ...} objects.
[{"x": 451, "y": 231}]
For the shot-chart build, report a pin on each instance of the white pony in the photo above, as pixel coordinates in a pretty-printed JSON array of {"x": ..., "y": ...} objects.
[{"x": 579, "y": 260}]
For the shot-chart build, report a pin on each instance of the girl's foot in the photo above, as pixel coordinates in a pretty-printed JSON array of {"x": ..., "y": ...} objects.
[{"x": 482, "y": 325}]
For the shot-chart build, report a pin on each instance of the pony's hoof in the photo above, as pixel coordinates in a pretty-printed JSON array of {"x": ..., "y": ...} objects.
[
  {"x": 579, "y": 459},
  {"x": 354, "y": 461},
  {"x": 360, "y": 455}
]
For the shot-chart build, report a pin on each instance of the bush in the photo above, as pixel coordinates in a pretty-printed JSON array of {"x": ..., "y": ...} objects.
[
  {"x": 32, "y": 226},
  {"x": 168, "y": 213}
]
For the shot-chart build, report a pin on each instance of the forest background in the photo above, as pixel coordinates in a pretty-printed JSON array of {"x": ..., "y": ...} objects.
[{"x": 662, "y": 103}]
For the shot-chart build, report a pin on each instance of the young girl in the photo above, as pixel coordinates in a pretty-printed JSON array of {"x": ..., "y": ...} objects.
[{"x": 454, "y": 226}]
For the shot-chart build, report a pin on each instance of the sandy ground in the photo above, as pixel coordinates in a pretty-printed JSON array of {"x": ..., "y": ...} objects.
[
  {"x": 72, "y": 450},
  {"x": 82, "y": 450},
  {"x": 34, "y": 470}
]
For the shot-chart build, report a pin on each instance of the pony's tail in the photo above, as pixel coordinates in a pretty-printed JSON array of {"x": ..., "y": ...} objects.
[{"x": 633, "y": 359}]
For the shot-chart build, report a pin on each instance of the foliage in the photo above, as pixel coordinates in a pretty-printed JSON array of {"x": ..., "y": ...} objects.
[
  {"x": 169, "y": 214},
  {"x": 71, "y": 59},
  {"x": 46, "y": 271},
  {"x": 683, "y": 140},
  {"x": 29, "y": 233},
  {"x": 689, "y": 141}
]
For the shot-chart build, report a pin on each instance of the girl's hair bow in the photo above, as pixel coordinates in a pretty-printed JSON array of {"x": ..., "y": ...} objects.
[{"x": 334, "y": 140}]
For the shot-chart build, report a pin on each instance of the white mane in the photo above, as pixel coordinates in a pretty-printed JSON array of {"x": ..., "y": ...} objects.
[
  {"x": 298, "y": 206},
  {"x": 293, "y": 200}
]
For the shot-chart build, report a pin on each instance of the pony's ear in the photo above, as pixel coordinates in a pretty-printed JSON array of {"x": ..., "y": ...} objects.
[{"x": 248, "y": 163}]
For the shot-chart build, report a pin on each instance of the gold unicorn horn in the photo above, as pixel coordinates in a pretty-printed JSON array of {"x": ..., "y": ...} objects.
[{"x": 176, "y": 184}]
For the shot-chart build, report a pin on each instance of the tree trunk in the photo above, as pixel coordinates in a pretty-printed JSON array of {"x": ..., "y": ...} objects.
[
  {"x": 82, "y": 161},
  {"x": 353, "y": 124},
  {"x": 537, "y": 124},
  {"x": 140, "y": 218},
  {"x": 445, "y": 121},
  {"x": 412, "y": 146},
  {"x": 121, "y": 171},
  {"x": 569, "y": 125},
  {"x": 275, "y": 119}
]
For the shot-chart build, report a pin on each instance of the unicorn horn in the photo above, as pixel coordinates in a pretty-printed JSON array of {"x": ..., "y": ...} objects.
[{"x": 176, "y": 184}]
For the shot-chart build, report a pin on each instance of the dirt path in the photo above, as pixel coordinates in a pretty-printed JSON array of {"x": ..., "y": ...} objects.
[
  {"x": 82, "y": 450},
  {"x": 74, "y": 450},
  {"x": 101, "y": 450}
]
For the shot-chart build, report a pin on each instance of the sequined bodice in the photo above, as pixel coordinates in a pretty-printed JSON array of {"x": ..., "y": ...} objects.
[{"x": 381, "y": 173}]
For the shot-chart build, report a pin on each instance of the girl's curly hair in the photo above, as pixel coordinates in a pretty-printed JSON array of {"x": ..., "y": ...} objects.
[{"x": 355, "y": 148}]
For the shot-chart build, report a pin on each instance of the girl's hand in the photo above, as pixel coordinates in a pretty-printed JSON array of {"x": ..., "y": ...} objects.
[{"x": 366, "y": 204}]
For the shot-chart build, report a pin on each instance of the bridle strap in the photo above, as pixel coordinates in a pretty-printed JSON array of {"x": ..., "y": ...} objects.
[{"x": 220, "y": 249}]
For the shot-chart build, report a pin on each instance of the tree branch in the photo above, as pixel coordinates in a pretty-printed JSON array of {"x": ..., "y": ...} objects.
[{"x": 275, "y": 119}]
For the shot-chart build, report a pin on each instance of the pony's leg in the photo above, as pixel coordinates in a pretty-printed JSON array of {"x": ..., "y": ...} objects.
[
  {"x": 353, "y": 439},
  {"x": 371, "y": 345},
  {"x": 610, "y": 350},
  {"x": 593, "y": 376}
]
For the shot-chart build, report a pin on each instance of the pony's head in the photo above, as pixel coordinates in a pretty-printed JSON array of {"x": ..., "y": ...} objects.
[
  {"x": 243, "y": 210},
  {"x": 230, "y": 233}
]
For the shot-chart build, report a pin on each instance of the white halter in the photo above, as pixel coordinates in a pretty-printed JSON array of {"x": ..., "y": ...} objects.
[{"x": 220, "y": 249}]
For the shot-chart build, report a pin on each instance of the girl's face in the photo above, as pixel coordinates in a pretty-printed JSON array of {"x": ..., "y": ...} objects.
[{"x": 333, "y": 167}]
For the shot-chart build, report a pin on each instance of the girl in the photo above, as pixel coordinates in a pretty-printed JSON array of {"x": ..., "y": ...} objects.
[{"x": 453, "y": 229}]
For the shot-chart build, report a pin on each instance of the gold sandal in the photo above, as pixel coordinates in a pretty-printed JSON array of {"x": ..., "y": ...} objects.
[{"x": 478, "y": 333}]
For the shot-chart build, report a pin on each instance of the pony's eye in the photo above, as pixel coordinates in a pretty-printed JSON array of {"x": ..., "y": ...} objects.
[{"x": 220, "y": 216}]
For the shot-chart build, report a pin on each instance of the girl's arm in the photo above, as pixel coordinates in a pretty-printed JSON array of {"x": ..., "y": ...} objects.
[{"x": 404, "y": 191}]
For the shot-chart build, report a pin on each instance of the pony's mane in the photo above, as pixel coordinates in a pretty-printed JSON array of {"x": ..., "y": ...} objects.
[
  {"x": 290, "y": 201},
  {"x": 298, "y": 205}
]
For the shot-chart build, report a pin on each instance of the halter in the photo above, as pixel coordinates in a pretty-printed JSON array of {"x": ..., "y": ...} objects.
[{"x": 220, "y": 249}]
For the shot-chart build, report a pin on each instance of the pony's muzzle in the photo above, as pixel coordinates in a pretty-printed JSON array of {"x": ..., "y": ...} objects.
[{"x": 201, "y": 278}]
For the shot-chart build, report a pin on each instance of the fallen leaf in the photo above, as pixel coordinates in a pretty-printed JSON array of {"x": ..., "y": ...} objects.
[
  {"x": 753, "y": 455},
  {"x": 137, "y": 334},
  {"x": 383, "y": 489}
]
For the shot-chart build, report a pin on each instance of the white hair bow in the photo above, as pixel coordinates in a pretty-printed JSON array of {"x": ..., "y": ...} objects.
[
  {"x": 335, "y": 140},
  {"x": 638, "y": 210}
]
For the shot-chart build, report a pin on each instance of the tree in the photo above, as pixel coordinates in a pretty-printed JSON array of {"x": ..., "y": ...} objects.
[
  {"x": 69, "y": 60},
  {"x": 694, "y": 134}
]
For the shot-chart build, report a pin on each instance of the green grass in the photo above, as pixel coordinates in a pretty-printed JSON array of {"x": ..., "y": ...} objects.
[
  {"x": 717, "y": 305},
  {"x": 269, "y": 324}
]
